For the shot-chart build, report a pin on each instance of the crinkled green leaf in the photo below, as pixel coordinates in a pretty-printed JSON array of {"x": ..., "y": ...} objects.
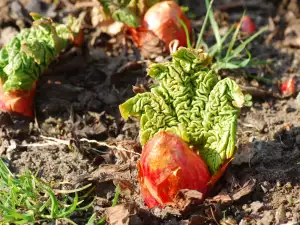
[
  {"x": 190, "y": 102},
  {"x": 126, "y": 16},
  {"x": 31, "y": 51}
]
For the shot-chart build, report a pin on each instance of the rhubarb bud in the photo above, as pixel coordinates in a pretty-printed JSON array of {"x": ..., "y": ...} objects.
[
  {"x": 248, "y": 26},
  {"x": 168, "y": 165}
]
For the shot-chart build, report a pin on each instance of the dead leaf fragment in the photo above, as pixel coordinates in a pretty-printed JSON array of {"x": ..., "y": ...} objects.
[
  {"x": 245, "y": 154},
  {"x": 112, "y": 172},
  {"x": 226, "y": 198},
  {"x": 292, "y": 32},
  {"x": 247, "y": 188},
  {"x": 223, "y": 198},
  {"x": 130, "y": 146},
  {"x": 185, "y": 198},
  {"x": 125, "y": 214}
]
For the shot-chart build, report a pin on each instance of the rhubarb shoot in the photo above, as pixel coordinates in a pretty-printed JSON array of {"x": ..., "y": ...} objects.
[
  {"x": 189, "y": 101},
  {"x": 27, "y": 55}
]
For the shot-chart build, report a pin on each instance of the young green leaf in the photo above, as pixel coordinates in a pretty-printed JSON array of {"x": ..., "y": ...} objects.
[
  {"x": 126, "y": 16},
  {"x": 190, "y": 102}
]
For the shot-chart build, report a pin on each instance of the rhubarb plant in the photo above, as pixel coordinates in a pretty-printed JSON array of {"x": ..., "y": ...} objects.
[
  {"x": 126, "y": 11},
  {"x": 189, "y": 101},
  {"x": 31, "y": 51},
  {"x": 27, "y": 55}
]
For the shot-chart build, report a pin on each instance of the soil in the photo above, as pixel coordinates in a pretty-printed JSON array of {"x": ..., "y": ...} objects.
[{"x": 77, "y": 101}]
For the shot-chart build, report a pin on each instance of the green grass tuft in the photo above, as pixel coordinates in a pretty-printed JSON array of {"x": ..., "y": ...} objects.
[
  {"x": 232, "y": 55},
  {"x": 26, "y": 199}
]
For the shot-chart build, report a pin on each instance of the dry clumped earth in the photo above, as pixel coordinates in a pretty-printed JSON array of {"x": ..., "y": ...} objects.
[{"x": 78, "y": 100}]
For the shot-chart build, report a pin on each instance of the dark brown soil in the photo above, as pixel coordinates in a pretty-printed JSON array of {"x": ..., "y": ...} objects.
[{"x": 78, "y": 98}]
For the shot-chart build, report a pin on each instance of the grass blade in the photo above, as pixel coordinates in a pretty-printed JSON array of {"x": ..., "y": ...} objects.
[
  {"x": 114, "y": 203},
  {"x": 92, "y": 219},
  {"x": 200, "y": 36},
  {"x": 25, "y": 199},
  {"x": 116, "y": 198},
  {"x": 71, "y": 209},
  {"x": 243, "y": 45},
  {"x": 234, "y": 64},
  {"x": 103, "y": 219},
  {"x": 213, "y": 49},
  {"x": 187, "y": 35},
  {"x": 54, "y": 203},
  {"x": 214, "y": 26},
  {"x": 234, "y": 37}
]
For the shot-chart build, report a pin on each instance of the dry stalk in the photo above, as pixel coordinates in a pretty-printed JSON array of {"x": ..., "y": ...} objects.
[{"x": 56, "y": 141}]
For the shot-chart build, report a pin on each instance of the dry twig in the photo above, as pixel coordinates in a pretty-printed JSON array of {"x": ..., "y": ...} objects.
[{"x": 56, "y": 141}]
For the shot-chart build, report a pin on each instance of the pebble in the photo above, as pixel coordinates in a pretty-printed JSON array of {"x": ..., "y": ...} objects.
[
  {"x": 267, "y": 219},
  {"x": 159, "y": 59},
  {"x": 256, "y": 206},
  {"x": 296, "y": 216},
  {"x": 288, "y": 214},
  {"x": 266, "y": 105},
  {"x": 280, "y": 215},
  {"x": 7, "y": 34},
  {"x": 297, "y": 207}
]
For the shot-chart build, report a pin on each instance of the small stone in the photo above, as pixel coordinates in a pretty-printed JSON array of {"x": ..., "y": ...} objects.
[
  {"x": 120, "y": 137},
  {"x": 159, "y": 59},
  {"x": 296, "y": 216},
  {"x": 254, "y": 83},
  {"x": 7, "y": 34},
  {"x": 288, "y": 214},
  {"x": 256, "y": 206},
  {"x": 266, "y": 130},
  {"x": 266, "y": 105},
  {"x": 297, "y": 207},
  {"x": 267, "y": 219},
  {"x": 245, "y": 206},
  {"x": 280, "y": 215}
]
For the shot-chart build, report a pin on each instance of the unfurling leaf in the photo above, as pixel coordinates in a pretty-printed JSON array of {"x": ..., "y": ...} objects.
[
  {"x": 190, "y": 102},
  {"x": 126, "y": 16},
  {"x": 30, "y": 52},
  {"x": 27, "y": 55}
]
